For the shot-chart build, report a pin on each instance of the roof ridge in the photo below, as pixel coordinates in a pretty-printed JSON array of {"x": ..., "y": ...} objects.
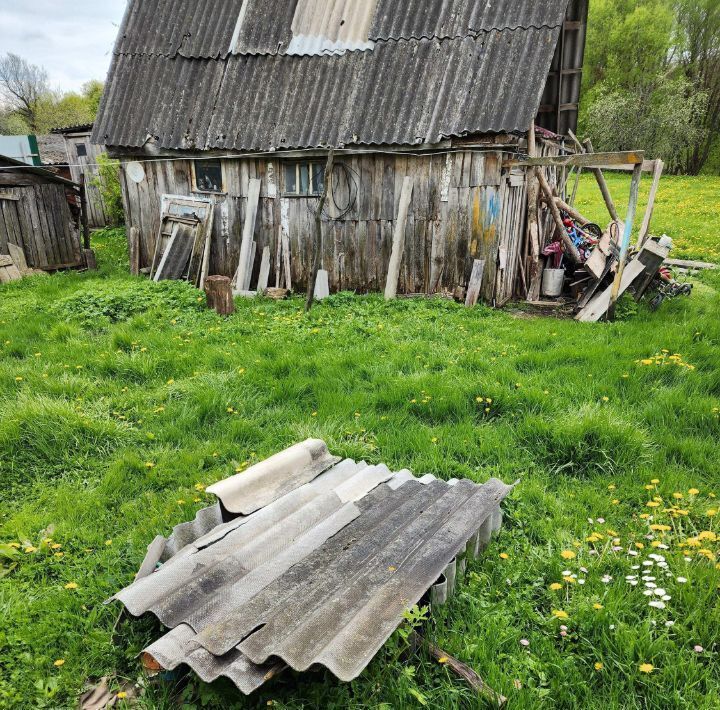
[{"x": 222, "y": 56}]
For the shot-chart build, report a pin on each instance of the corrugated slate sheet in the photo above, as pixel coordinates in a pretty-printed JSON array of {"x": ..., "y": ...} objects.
[
  {"x": 321, "y": 575},
  {"x": 259, "y": 75},
  {"x": 408, "y": 92}
]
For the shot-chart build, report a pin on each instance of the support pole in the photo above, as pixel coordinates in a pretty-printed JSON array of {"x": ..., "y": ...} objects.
[
  {"x": 312, "y": 281},
  {"x": 645, "y": 229},
  {"x": 602, "y": 184},
  {"x": 625, "y": 246},
  {"x": 533, "y": 193},
  {"x": 84, "y": 212}
]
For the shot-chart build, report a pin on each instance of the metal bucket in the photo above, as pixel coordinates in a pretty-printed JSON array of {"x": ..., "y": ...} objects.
[{"x": 552, "y": 283}]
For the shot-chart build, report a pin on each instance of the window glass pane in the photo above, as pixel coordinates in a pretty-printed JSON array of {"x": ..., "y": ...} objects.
[
  {"x": 81, "y": 150},
  {"x": 318, "y": 178},
  {"x": 290, "y": 179},
  {"x": 304, "y": 178},
  {"x": 208, "y": 175}
]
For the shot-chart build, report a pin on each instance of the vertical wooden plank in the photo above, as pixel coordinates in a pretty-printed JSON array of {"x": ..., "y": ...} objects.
[
  {"x": 477, "y": 169},
  {"x": 647, "y": 219},
  {"x": 399, "y": 239},
  {"x": 247, "y": 237}
]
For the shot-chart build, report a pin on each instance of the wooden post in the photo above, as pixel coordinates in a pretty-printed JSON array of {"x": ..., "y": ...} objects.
[
  {"x": 248, "y": 232},
  {"x": 603, "y": 185},
  {"x": 657, "y": 174},
  {"x": 220, "y": 295},
  {"x": 533, "y": 193},
  {"x": 83, "y": 212},
  {"x": 399, "y": 239},
  {"x": 624, "y": 247},
  {"x": 570, "y": 249},
  {"x": 318, "y": 232},
  {"x": 134, "y": 247}
]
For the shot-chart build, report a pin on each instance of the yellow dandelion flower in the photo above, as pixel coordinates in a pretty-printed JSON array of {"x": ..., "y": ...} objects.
[
  {"x": 652, "y": 504},
  {"x": 646, "y": 667},
  {"x": 59, "y": 662},
  {"x": 611, "y": 487},
  {"x": 121, "y": 695},
  {"x": 71, "y": 585},
  {"x": 678, "y": 496},
  {"x": 504, "y": 556},
  {"x": 555, "y": 586},
  {"x": 598, "y": 666},
  {"x": 693, "y": 491},
  {"x": 559, "y": 614},
  {"x": 598, "y": 606},
  {"x": 655, "y": 480},
  {"x": 149, "y": 464},
  {"x": 711, "y": 513},
  {"x": 568, "y": 555}
]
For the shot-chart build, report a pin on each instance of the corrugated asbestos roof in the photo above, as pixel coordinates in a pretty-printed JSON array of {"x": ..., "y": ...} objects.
[
  {"x": 407, "y": 92},
  {"x": 260, "y": 75},
  {"x": 320, "y": 575}
]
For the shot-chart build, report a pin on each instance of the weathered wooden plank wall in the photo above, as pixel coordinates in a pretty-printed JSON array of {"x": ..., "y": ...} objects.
[
  {"x": 37, "y": 218},
  {"x": 458, "y": 214}
]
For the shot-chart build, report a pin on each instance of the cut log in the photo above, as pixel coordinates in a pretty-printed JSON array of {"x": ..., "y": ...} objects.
[
  {"x": 220, "y": 295},
  {"x": 277, "y": 294},
  {"x": 473, "y": 292},
  {"x": 399, "y": 239}
]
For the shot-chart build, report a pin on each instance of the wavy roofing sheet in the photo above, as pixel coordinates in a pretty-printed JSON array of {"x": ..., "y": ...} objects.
[
  {"x": 322, "y": 575},
  {"x": 408, "y": 92},
  {"x": 214, "y": 28}
]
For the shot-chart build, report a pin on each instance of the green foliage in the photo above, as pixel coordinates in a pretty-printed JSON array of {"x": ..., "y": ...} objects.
[
  {"x": 107, "y": 181},
  {"x": 646, "y": 85},
  {"x": 102, "y": 374}
]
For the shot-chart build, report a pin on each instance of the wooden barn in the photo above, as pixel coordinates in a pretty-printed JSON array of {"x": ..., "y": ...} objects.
[
  {"x": 223, "y": 113},
  {"x": 41, "y": 220},
  {"x": 82, "y": 155}
]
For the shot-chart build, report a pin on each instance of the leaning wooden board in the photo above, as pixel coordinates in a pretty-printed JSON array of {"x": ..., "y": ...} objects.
[
  {"x": 8, "y": 271},
  {"x": 599, "y": 305}
]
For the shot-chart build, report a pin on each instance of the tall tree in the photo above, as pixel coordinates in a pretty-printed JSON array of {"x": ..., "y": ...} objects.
[
  {"x": 23, "y": 86},
  {"x": 698, "y": 53}
]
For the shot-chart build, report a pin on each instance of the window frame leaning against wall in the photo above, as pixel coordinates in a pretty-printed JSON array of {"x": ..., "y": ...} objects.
[
  {"x": 205, "y": 163},
  {"x": 315, "y": 178}
]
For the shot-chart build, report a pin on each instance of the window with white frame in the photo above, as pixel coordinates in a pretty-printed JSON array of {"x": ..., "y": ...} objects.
[
  {"x": 208, "y": 176},
  {"x": 304, "y": 178}
]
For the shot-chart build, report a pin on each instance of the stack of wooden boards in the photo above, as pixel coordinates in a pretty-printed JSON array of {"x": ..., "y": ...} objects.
[
  {"x": 14, "y": 266},
  {"x": 639, "y": 273}
]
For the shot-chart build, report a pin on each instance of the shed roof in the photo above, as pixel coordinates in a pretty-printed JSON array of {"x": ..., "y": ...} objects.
[{"x": 254, "y": 76}]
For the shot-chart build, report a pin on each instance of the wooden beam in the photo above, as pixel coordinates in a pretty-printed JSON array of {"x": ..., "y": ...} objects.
[
  {"x": 577, "y": 216},
  {"x": 595, "y": 160},
  {"x": 570, "y": 249},
  {"x": 602, "y": 184},
  {"x": 399, "y": 239},
  {"x": 253, "y": 199},
  {"x": 625, "y": 245},
  {"x": 533, "y": 193},
  {"x": 645, "y": 228}
]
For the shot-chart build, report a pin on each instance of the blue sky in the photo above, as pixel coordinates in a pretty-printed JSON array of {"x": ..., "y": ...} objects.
[{"x": 72, "y": 39}]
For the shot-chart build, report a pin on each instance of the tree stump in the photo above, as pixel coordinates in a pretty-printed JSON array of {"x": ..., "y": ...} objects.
[{"x": 220, "y": 295}]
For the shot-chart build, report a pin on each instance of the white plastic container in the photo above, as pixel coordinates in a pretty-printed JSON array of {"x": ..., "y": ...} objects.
[{"x": 552, "y": 283}]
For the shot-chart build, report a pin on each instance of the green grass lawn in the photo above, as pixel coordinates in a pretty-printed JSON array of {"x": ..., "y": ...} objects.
[
  {"x": 121, "y": 399},
  {"x": 687, "y": 209}
]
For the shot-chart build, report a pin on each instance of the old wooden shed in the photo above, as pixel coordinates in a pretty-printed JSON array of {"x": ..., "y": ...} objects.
[
  {"x": 82, "y": 155},
  {"x": 206, "y": 98},
  {"x": 41, "y": 213}
]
